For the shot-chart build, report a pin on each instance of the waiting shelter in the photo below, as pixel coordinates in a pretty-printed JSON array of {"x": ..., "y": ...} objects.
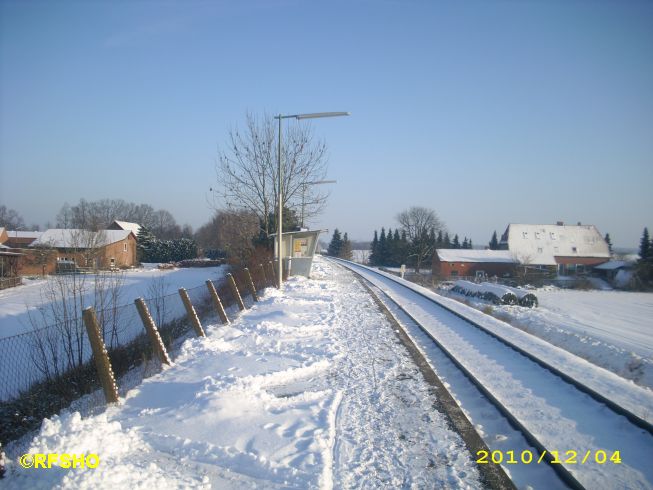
[{"x": 298, "y": 249}]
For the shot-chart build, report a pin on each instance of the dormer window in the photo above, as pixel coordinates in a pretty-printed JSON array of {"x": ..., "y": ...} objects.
[
  {"x": 553, "y": 235},
  {"x": 524, "y": 235}
]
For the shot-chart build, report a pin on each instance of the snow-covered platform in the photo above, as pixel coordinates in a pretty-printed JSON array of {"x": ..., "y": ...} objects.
[{"x": 308, "y": 389}]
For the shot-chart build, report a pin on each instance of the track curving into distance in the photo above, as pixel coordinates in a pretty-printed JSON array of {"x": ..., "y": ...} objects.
[{"x": 570, "y": 424}]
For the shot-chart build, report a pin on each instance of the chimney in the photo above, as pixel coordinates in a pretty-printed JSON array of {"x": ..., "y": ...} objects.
[{"x": 560, "y": 223}]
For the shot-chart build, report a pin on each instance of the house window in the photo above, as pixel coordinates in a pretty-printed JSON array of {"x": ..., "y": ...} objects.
[
  {"x": 454, "y": 273},
  {"x": 524, "y": 235},
  {"x": 124, "y": 247},
  {"x": 553, "y": 235},
  {"x": 538, "y": 235}
]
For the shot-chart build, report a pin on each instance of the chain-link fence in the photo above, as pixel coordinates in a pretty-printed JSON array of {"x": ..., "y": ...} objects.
[{"x": 47, "y": 369}]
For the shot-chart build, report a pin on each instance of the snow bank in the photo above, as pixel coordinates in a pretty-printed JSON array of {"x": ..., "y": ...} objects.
[{"x": 307, "y": 389}]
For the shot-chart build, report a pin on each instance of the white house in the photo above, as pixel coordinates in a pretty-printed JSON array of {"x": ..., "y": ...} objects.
[{"x": 569, "y": 248}]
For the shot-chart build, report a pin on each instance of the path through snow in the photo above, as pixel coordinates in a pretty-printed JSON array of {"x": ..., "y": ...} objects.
[{"x": 308, "y": 389}]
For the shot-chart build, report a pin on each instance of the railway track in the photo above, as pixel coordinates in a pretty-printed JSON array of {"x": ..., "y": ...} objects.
[{"x": 577, "y": 432}]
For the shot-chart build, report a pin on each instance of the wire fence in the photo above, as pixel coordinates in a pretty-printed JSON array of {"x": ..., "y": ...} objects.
[{"x": 47, "y": 369}]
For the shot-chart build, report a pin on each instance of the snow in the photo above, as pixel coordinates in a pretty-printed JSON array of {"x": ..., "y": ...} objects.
[
  {"x": 79, "y": 239},
  {"x": 16, "y": 305},
  {"x": 541, "y": 244},
  {"x": 612, "y": 329},
  {"x": 15, "y": 302},
  {"x": 361, "y": 256},
  {"x": 467, "y": 255},
  {"x": 562, "y": 418},
  {"x": 310, "y": 388}
]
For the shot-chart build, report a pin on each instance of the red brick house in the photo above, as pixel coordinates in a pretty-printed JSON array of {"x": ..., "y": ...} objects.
[
  {"x": 453, "y": 263},
  {"x": 75, "y": 249}
]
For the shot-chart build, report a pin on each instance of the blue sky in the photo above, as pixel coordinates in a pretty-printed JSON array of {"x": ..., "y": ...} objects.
[{"x": 487, "y": 112}]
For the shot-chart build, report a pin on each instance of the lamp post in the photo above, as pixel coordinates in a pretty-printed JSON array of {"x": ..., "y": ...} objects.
[
  {"x": 313, "y": 115},
  {"x": 315, "y": 182}
]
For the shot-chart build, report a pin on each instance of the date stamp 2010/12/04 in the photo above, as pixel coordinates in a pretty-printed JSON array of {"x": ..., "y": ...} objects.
[{"x": 555, "y": 457}]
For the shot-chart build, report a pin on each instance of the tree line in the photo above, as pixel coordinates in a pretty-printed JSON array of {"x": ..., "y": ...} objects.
[
  {"x": 340, "y": 246},
  {"x": 414, "y": 241}
]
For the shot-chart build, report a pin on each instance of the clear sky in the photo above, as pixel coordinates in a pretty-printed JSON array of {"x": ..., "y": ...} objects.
[{"x": 488, "y": 112}]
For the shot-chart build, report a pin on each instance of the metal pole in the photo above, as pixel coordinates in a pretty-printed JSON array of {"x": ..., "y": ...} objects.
[
  {"x": 280, "y": 217},
  {"x": 303, "y": 198}
]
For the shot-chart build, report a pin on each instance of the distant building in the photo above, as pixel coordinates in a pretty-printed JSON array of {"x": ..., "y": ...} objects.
[
  {"x": 135, "y": 228},
  {"x": 65, "y": 249},
  {"x": 453, "y": 263},
  {"x": 567, "y": 249},
  {"x": 20, "y": 239}
]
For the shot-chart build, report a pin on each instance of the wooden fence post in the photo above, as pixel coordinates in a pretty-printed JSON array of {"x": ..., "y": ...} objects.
[
  {"x": 234, "y": 290},
  {"x": 217, "y": 302},
  {"x": 250, "y": 285},
  {"x": 265, "y": 279},
  {"x": 192, "y": 316},
  {"x": 152, "y": 332},
  {"x": 100, "y": 356}
]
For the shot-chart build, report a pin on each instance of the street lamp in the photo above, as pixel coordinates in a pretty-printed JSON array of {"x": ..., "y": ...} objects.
[
  {"x": 313, "y": 115},
  {"x": 315, "y": 182}
]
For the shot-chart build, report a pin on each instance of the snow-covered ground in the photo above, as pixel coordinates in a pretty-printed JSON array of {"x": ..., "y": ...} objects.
[
  {"x": 308, "y": 389},
  {"x": 557, "y": 414},
  {"x": 612, "y": 329},
  {"x": 15, "y": 302},
  {"x": 361, "y": 256}
]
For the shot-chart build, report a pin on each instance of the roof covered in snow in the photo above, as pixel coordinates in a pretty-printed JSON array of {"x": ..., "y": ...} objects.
[
  {"x": 612, "y": 265},
  {"x": 80, "y": 239},
  {"x": 469, "y": 255},
  {"x": 126, "y": 225},
  {"x": 541, "y": 244},
  {"x": 24, "y": 234}
]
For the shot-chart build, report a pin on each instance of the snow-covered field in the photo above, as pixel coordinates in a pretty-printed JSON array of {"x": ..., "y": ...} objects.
[
  {"x": 308, "y": 389},
  {"x": 15, "y": 302},
  {"x": 361, "y": 256},
  {"x": 612, "y": 329}
]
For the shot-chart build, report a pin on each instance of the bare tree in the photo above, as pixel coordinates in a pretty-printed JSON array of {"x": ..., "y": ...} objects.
[
  {"x": 10, "y": 219},
  {"x": 234, "y": 231},
  {"x": 247, "y": 172},
  {"x": 419, "y": 224},
  {"x": 98, "y": 215}
]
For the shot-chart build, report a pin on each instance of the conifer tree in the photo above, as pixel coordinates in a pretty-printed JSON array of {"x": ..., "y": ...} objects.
[
  {"x": 374, "y": 250},
  {"x": 494, "y": 241},
  {"x": 456, "y": 242},
  {"x": 397, "y": 254},
  {"x": 146, "y": 244},
  {"x": 447, "y": 241},
  {"x": 383, "y": 248},
  {"x": 465, "y": 245},
  {"x": 469, "y": 244},
  {"x": 335, "y": 246},
  {"x": 390, "y": 247},
  {"x": 440, "y": 240},
  {"x": 345, "y": 250},
  {"x": 645, "y": 246}
]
